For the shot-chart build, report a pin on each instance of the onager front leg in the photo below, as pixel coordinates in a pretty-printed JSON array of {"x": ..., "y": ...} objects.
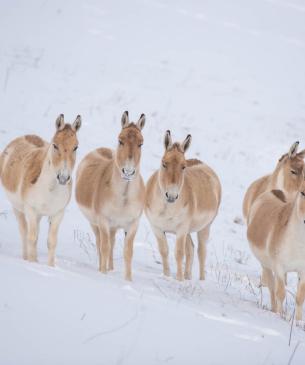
[
  {"x": 32, "y": 220},
  {"x": 163, "y": 249},
  {"x": 300, "y": 297},
  {"x": 112, "y": 242},
  {"x": 54, "y": 223},
  {"x": 180, "y": 252},
  {"x": 23, "y": 231},
  {"x": 128, "y": 249}
]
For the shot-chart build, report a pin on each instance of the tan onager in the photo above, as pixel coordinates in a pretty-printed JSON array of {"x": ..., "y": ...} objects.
[
  {"x": 110, "y": 192},
  {"x": 287, "y": 177},
  {"x": 183, "y": 196},
  {"x": 276, "y": 234},
  {"x": 36, "y": 177}
]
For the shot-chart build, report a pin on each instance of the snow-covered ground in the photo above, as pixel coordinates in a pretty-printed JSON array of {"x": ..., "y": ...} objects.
[{"x": 231, "y": 73}]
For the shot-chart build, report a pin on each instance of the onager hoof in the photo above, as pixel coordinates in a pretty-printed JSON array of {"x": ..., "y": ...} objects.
[
  {"x": 202, "y": 276},
  {"x": 188, "y": 276},
  {"x": 179, "y": 277},
  {"x": 128, "y": 277},
  {"x": 32, "y": 259}
]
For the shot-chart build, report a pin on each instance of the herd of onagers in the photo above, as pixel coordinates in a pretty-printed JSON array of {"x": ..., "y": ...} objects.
[{"x": 181, "y": 197}]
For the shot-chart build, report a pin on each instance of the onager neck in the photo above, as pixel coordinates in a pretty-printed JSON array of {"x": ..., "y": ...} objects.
[{"x": 48, "y": 173}]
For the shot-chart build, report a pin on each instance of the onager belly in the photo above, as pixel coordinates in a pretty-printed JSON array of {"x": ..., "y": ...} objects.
[
  {"x": 202, "y": 220},
  {"x": 116, "y": 216}
]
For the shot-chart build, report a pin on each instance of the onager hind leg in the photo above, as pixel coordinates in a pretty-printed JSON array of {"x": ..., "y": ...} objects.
[
  {"x": 163, "y": 249},
  {"x": 269, "y": 281},
  {"x": 189, "y": 252},
  {"x": 280, "y": 291},
  {"x": 112, "y": 242},
  {"x": 52, "y": 236},
  {"x": 128, "y": 249},
  {"x": 104, "y": 247},
  {"x": 203, "y": 236},
  {"x": 96, "y": 232},
  {"x": 300, "y": 296},
  {"x": 180, "y": 252},
  {"x": 23, "y": 231},
  {"x": 32, "y": 220}
]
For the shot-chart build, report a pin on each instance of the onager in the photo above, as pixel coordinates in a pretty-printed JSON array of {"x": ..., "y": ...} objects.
[
  {"x": 183, "y": 196},
  {"x": 287, "y": 177},
  {"x": 276, "y": 234},
  {"x": 110, "y": 192},
  {"x": 36, "y": 177}
]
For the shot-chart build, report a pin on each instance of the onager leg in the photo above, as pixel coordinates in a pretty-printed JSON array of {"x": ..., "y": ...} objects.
[
  {"x": 180, "y": 252},
  {"x": 189, "y": 252},
  {"x": 280, "y": 291},
  {"x": 128, "y": 249},
  {"x": 112, "y": 242},
  {"x": 32, "y": 220},
  {"x": 96, "y": 232},
  {"x": 23, "y": 231},
  {"x": 269, "y": 282},
  {"x": 104, "y": 247},
  {"x": 203, "y": 236},
  {"x": 163, "y": 249},
  {"x": 300, "y": 297},
  {"x": 52, "y": 236}
]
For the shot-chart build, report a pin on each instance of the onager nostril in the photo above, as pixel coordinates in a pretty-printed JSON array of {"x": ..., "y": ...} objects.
[{"x": 166, "y": 194}]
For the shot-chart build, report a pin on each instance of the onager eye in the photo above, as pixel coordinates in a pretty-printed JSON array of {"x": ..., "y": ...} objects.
[
  {"x": 303, "y": 194},
  {"x": 183, "y": 167},
  {"x": 140, "y": 145},
  {"x": 55, "y": 146},
  {"x": 164, "y": 165},
  {"x": 75, "y": 148},
  {"x": 293, "y": 172},
  {"x": 121, "y": 143}
]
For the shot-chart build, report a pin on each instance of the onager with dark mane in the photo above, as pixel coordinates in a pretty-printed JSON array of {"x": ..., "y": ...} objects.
[
  {"x": 287, "y": 177},
  {"x": 276, "y": 234},
  {"x": 110, "y": 192},
  {"x": 183, "y": 196},
  {"x": 36, "y": 177}
]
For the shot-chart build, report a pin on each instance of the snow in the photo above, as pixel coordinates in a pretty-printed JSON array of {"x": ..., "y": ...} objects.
[{"x": 232, "y": 75}]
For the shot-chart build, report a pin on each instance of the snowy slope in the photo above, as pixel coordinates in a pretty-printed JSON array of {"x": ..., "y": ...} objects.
[{"x": 232, "y": 75}]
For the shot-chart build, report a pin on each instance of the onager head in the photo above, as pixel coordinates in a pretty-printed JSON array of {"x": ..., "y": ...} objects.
[
  {"x": 291, "y": 169},
  {"x": 128, "y": 153},
  {"x": 171, "y": 173},
  {"x": 63, "y": 148}
]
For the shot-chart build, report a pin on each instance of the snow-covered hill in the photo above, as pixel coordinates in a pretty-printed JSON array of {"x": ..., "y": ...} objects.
[{"x": 231, "y": 73}]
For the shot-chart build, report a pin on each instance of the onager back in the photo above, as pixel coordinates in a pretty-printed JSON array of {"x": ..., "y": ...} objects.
[
  {"x": 183, "y": 196},
  {"x": 36, "y": 177},
  {"x": 287, "y": 177},
  {"x": 276, "y": 234},
  {"x": 110, "y": 192}
]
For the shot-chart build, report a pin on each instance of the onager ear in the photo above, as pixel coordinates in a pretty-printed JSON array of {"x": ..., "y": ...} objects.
[
  {"x": 293, "y": 150},
  {"x": 186, "y": 143},
  {"x": 301, "y": 154},
  {"x": 60, "y": 123},
  {"x": 141, "y": 122},
  {"x": 168, "y": 140},
  {"x": 125, "y": 119},
  {"x": 77, "y": 123}
]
